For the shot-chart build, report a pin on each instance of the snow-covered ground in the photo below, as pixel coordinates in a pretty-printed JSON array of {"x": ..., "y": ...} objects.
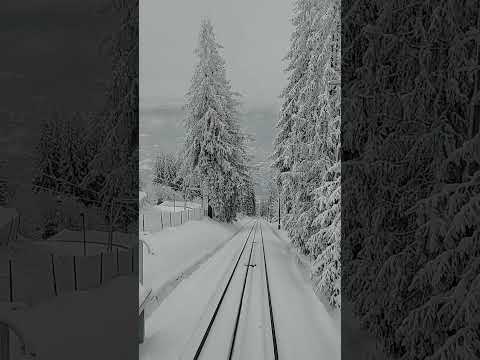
[
  {"x": 304, "y": 328},
  {"x": 144, "y": 294},
  {"x": 70, "y": 242},
  {"x": 142, "y": 199},
  {"x": 170, "y": 254},
  {"x": 168, "y": 214},
  {"x": 73, "y": 326},
  {"x": 177, "y": 206}
]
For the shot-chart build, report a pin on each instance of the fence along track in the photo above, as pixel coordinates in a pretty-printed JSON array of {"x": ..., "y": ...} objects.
[{"x": 212, "y": 320}]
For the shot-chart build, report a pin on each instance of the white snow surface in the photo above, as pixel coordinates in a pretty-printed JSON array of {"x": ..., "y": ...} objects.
[
  {"x": 304, "y": 327},
  {"x": 178, "y": 206},
  {"x": 143, "y": 295},
  {"x": 59, "y": 328},
  {"x": 172, "y": 251},
  {"x": 70, "y": 242}
]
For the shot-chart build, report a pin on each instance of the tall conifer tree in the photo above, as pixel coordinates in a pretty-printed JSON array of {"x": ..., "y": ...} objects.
[
  {"x": 215, "y": 148},
  {"x": 307, "y": 144}
]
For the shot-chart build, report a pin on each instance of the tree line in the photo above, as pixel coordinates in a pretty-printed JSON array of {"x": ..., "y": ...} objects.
[
  {"x": 93, "y": 157},
  {"x": 307, "y": 144},
  {"x": 410, "y": 152}
]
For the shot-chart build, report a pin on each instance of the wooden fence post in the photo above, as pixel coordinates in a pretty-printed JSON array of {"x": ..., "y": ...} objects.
[
  {"x": 10, "y": 275},
  {"x": 18, "y": 228},
  {"x": 101, "y": 268},
  {"x": 133, "y": 260},
  {"x": 10, "y": 231},
  {"x": 54, "y": 276},
  {"x": 84, "y": 237},
  {"x": 75, "y": 272}
]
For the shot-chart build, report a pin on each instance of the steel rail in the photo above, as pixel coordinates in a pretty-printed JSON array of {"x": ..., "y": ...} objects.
[
  {"x": 239, "y": 310},
  {"x": 212, "y": 320},
  {"x": 272, "y": 322}
]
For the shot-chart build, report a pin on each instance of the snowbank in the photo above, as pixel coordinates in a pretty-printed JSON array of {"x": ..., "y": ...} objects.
[
  {"x": 142, "y": 199},
  {"x": 73, "y": 326},
  {"x": 177, "y": 206},
  {"x": 70, "y": 242},
  {"x": 188, "y": 204},
  {"x": 143, "y": 295},
  {"x": 156, "y": 218},
  {"x": 174, "y": 250},
  {"x": 305, "y": 266},
  {"x": 167, "y": 208}
]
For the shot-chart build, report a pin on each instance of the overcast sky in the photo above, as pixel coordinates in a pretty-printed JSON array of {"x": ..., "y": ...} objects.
[{"x": 255, "y": 35}]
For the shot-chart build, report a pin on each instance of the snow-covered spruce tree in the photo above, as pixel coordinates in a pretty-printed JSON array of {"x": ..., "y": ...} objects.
[
  {"x": 113, "y": 140},
  {"x": 215, "y": 151},
  {"x": 248, "y": 200},
  {"x": 411, "y": 160},
  {"x": 291, "y": 127},
  {"x": 271, "y": 201},
  {"x": 49, "y": 152},
  {"x": 307, "y": 143},
  {"x": 61, "y": 161},
  {"x": 324, "y": 84},
  {"x": 167, "y": 171},
  {"x": 444, "y": 319}
]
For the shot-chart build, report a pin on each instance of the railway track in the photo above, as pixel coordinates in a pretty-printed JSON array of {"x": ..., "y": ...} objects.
[
  {"x": 231, "y": 289},
  {"x": 270, "y": 307}
]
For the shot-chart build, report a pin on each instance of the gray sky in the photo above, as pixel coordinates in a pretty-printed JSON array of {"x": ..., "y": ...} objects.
[{"x": 255, "y": 35}]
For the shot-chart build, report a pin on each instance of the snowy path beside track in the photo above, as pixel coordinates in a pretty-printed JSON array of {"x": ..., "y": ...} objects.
[
  {"x": 173, "y": 254},
  {"x": 304, "y": 328}
]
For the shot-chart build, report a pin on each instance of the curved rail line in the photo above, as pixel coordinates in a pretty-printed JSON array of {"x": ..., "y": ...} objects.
[{"x": 207, "y": 331}]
